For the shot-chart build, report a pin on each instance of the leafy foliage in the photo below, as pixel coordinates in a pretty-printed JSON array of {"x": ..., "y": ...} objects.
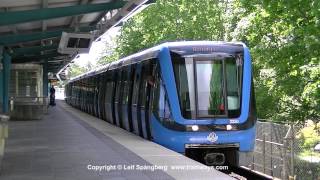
[
  {"x": 283, "y": 37},
  {"x": 310, "y": 135},
  {"x": 171, "y": 20},
  {"x": 76, "y": 69}
]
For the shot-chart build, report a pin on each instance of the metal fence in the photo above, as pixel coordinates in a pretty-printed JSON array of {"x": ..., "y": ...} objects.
[
  {"x": 279, "y": 153},
  {"x": 27, "y": 108}
]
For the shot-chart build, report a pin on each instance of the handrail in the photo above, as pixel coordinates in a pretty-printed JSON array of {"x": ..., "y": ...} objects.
[{"x": 15, "y": 97}]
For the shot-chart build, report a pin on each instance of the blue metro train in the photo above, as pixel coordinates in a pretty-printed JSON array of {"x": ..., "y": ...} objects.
[{"x": 193, "y": 97}]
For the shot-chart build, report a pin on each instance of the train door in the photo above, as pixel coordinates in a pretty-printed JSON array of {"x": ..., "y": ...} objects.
[
  {"x": 102, "y": 96},
  {"x": 125, "y": 98},
  {"x": 96, "y": 94},
  {"x": 99, "y": 96},
  {"x": 91, "y": 97},
  {"x": 99, "y": 79},
  {"x": 117, "y": 97},
  {"x": 151, "y": 87},
  {"x": 80, "y": 99},
  {"x": 86, "y": 96},
  {"x": 120, "y": 98},
  {"x": 136, "y": 122},
  {"x": 93, "y": 93},
  {"x": 144, "y": 91},
  {"x": 114, "y": 90},
  {"x": 109, "y": 97},
  {"x": 131, "y": 74}
]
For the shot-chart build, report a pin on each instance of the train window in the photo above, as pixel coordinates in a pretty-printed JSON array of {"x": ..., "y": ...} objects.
[
  {"x": 135, "y": 93},
  {"x": 208, "y": 85},
  {"x": 183, "y": 70},
  {"x": 118, "y": 85},
  {"x": 102, "y": 86},
  {"x": 164, "y": 110},
  {"x": 125, "y": 88},
  {"x": 109, "y": 87},
  {"x": 210, "y": 91},
  {"x": 142, "y": 89},
  {"x": 160, "y": 102},
  {"x": 130, "y": 83},
  {"x": 108, "y": 91},
  {"x": 234, "y": 79},
  {"x": 146, "y": 78}
]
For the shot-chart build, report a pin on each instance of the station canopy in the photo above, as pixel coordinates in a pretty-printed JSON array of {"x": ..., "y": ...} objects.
[{"x": 30, "y": 30}]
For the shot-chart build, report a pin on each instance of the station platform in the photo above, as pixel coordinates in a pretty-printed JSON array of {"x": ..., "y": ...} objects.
[{"x": 70, "y": 144}]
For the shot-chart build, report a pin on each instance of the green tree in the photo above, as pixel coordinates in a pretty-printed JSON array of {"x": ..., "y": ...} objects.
[
  {"x": 284, "y": 38},
  {"x": 76, "y": 70},
  {"x": 110, "y": 54},
  {"x": 171, "y": 20}
]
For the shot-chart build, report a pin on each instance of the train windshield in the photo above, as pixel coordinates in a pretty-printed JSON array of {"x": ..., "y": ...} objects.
[{"x": 209, "y": 86}]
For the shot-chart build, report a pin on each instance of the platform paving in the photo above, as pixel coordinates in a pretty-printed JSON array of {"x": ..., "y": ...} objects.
[
  {"x": 60, "y": 146},
  {"x": 66, "y": 142}
]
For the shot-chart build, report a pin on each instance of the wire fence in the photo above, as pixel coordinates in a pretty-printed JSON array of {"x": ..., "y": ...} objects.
[{"x": 280, "y": 153}]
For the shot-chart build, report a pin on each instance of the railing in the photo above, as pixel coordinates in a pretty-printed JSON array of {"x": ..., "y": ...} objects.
[
  {"x": 279, "y": 153},
  {"x": 22, "y": 108}
]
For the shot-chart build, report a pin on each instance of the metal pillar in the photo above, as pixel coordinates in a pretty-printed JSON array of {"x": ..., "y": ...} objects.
[
  {"x": 1, "y": 79},
  {"x": 45, "y": 78},
  {"x": 6, "y": 62}
]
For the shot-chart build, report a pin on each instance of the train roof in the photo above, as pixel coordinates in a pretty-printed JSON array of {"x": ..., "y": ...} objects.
[{"x": 151, "y": 53}]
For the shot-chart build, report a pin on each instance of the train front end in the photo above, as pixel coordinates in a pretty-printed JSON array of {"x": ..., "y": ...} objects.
[{"x": 204, "y": 104}]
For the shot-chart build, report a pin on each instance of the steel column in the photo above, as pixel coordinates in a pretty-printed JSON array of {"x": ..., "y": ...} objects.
[
  {"x": 1, "y": 78},
  {"x": 6, "y": 62},
  {"x": 45, "y": 78}
]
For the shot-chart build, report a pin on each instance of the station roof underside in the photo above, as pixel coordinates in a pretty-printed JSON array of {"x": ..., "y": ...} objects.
[{"x": 30, "y": 30}]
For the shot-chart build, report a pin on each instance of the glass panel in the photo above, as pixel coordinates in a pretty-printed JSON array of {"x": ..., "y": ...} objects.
[
  {"x": 183, "y": 70},
  {"x": 208, "y": 85},
  {"x": 210, "y": 88},
  {"x": 143, "y": 86},
  {"x": 109, "y": 89},
  {"x": 233, "y": 73},
  {"x": 23, "y": 83},
  {"x": 160, "y": 103},
  {"x": 135, "y": 92},
  {"x": 164, "y": 110},
  {"x": 118, "y": 85},
  {"x": 124, "y": 86},
  {"x": 123, "y": 83}
]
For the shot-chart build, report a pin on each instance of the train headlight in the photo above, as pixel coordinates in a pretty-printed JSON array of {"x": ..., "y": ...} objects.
[
  {"x": 195, "y": 127},
  {"x": 228, "y": 127}
]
